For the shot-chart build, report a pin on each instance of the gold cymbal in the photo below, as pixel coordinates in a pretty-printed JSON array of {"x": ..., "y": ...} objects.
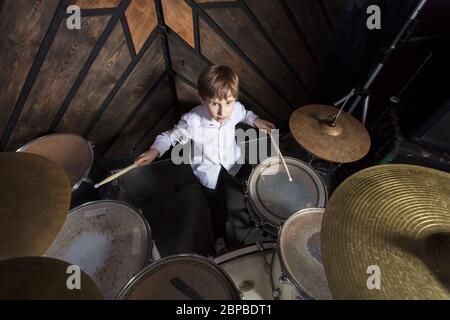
[
  {"x": 389, "y": 225},
  {"x": 34, "y": 201},
  {"x": 346, "y": 142},
  {"x": 41, "y": 278}
]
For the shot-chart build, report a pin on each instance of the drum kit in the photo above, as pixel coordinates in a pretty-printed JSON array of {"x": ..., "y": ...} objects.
[{"x": 395, "y": 217}]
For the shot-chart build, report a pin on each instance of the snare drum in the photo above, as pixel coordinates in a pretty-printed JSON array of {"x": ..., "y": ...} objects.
[
  {"x": 181, "y": 277},
  {"x": 109, "y": 240},
  {"x": 297, "y": 268},
  {"x": 249, "y": 268},
  {"x": 273, "y": 198}
]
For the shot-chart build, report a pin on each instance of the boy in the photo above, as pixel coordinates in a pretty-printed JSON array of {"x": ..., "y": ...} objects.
[{"x": 211, "y": 128}]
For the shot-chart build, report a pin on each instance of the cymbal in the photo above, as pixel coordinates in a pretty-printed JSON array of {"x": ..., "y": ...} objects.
[
  {"x": 388, "y": 227},
  {"x": 346, "y": 142},
  {"x": 41, "y": 278},
  {"x": 35, "y": 198}
]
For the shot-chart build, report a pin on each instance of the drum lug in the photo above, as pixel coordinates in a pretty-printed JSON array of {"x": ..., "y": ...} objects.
[
  {"x": 283, "y": 279},
  {"x": 91, "y": 144},
  {"x": 86, "y": 180},
  {"x": 276, "y": 294}
]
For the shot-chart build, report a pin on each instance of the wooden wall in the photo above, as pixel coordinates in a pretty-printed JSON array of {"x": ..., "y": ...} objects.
[{"x": 132, "y": 69}]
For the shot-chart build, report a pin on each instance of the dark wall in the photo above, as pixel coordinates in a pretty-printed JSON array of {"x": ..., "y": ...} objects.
[
  {"x": 131, "y": 70},
  {"x": 417, "y": 71}
]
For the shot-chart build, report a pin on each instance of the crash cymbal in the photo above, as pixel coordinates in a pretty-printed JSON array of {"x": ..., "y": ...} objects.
[
  {"x": 34, "y": 201},
  {"x": 388, "y": 227},
  {"x": 41, "y": 278},
  {"x": 346, "y": 142}
]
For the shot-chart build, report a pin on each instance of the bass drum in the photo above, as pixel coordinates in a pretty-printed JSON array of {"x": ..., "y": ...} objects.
[
  {"x": 297, "y": 268},
  {"x": 273, "y": 198},
  {"x": 249, "y": 268},
  {"x": 109, "y": 240},
  {"x": 181, "y": 277}
]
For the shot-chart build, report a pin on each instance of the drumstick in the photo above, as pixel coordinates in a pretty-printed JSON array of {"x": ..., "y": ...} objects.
[
  {"x": 281, "y": 156},
  {"x": 116, "y": 175}
]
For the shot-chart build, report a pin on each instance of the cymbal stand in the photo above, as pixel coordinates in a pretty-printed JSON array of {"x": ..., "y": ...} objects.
[{"x": 364, "y": 93}]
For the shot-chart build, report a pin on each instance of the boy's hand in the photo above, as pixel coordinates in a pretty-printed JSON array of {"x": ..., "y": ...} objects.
[
  {"x": 147, "y": 157},
  {"x": 264, "y": 124}
]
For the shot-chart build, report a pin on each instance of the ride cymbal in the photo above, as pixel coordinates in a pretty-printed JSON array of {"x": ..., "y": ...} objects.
[
  {"x": 347, "y": 141},
  {"x": 41, "y": 278},
  {"x": 34, "y": 201},
  {"x": 386, "y": 235}
]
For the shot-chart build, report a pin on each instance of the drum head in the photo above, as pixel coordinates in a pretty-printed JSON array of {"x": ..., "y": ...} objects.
[
  {"x": 181, "y": 278},
  {"x": 70, "y": 151},
  {"x": 275, "y": 198},
  {"x": 299, "y": 250},
  {"x": 108, "y": 240}
]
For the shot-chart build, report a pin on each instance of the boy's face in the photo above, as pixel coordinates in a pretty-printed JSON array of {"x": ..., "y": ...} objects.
[{"x": 221, "y": 109}]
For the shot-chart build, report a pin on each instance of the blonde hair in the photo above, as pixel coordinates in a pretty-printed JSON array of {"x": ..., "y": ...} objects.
[{"x": 218, "y": 82}]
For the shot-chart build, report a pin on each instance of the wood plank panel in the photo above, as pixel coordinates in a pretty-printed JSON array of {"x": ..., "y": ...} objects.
[
  {"x": 178, "y": 16},
  {"x": 216, "y": 50},
  {"x": 208, "y": 1},
  {"x": 276, "y": 23},
  {"x": 109, "y": 65},
  {"x": 156, "y": 105},
  {"x": 188, "y": 97},
  {"x": 237, "y": 25},
  {"x": 19, "y": 45},
  {"x": 96, "y": 4},
  {"x": 335, "y": 9},
  {"x": 312, "y": 22},
  {"x": 142, "y": 20},
  {"x": 65, "y": 59},
  {"x": 185, "y": 60},
  {"x": 148, "y": 70},
  {"x": 165, "y": 123}
]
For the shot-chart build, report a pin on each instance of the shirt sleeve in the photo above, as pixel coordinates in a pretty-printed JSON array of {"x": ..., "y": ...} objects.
[
  {"x": 181, "y": 133},
  {"x": 246, "y": 116}
]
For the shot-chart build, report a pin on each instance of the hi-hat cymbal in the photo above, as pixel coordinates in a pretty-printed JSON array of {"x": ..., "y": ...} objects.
[
  {"x": 346, "y": 142},
  {"x": 386, "y": 235},
  {"x": 34, "y": 200},
  {"x": 41, "y": 278}
]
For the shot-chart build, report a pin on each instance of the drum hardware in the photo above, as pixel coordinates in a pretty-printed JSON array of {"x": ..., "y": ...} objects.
[
  {"x": 395, "y": 218},
  {"x": 260, "y": 247},
  {"x": 35, "y": 197},
  {"x": 364, "y": 92}
]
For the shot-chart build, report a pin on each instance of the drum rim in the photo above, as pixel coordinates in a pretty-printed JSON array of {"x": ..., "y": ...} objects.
[
  {"x": 289, "y": 277},
  {"x": 251, "y": 196},
  {"x": 122, "y": 295},
  {"x": 88, "y": 143},
  {"x": 271, "y": 245},
  {"x": 148, "y": 254}
]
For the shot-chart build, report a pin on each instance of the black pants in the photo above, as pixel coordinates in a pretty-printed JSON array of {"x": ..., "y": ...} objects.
[{"x": 217, "y": 198}]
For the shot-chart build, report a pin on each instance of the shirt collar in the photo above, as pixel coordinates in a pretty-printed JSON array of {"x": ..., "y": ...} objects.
[{"x": 208, "y": 121}]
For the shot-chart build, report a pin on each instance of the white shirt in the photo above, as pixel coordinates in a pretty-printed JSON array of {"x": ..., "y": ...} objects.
[{"x": 214, "y": 143}]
